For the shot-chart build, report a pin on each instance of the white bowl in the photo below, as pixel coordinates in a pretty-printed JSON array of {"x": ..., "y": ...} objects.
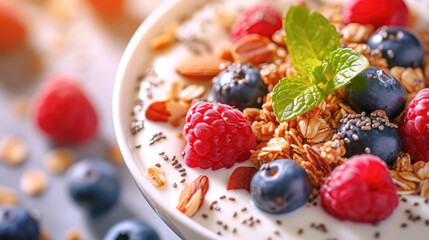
[
  {"x": 136, "y": 57},
  {"x": 130, "y": 68}
]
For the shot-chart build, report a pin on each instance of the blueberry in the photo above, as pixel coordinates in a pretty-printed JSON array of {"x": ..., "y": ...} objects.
[
  {"x": 94, "y": 184},
  {"x": 371, "y": 134},
  {"x": 239, "y": 86},
  {"x": 374, "y": 89},
  {"x": 281, "y": 187},
  {"x": 16, "y": 223},
  {"x": 131, "y": 229},
  {"x": 399, "y": 46}
]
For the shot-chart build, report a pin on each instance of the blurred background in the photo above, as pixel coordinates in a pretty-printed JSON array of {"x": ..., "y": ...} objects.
[{"x": 83, "y": 40}]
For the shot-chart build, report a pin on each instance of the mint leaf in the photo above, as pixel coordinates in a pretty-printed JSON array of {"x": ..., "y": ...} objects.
[
  {"x": 294, "y": 96},
  {"x": 343, "y": 65},
  {"x": 308, "y": 35},
  {"x": 315, "y": 70}
]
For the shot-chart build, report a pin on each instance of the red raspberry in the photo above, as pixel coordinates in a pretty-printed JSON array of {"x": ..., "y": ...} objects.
[
  {"x": 261, "y": 19},
  {"x": 63, "y": 111},
  {"x": 414, "y": 127},
  {"x": 360, "y": 190},
  {"x": 218, "y": 136},
  {"x": 376, "y": 13}
]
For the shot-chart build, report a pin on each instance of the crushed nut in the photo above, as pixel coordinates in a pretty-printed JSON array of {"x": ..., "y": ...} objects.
[
  {"x": 59, "y": 160},
  {"x": 33, "y": 182},
  {"x": 13, "y": 151},
  {"x": 156, "y": 176}
]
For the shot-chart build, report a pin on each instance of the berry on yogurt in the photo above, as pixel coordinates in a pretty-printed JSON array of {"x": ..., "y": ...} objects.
[
  {"x": 239, "y": 86},
  {"x": 370, "y": 134},
  {"x": 218, "y": 136},
  {"x": 360, "y": 190},
  {"x": 94, "y": 185},
  {"x": 399, "y": 46},
  {"x": 280, "y": 186},
  {"x": 414, "y": 127},
  {"x": 131, "y": 229},
  {"x": 376, "y": 13},
  {"x": 374, "y": 89},
  {"x": 261, "y": 19},
  {"x": 16, "y": 223}
]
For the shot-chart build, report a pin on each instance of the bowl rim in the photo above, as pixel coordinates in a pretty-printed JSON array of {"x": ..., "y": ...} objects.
[{"x": 119, "y": 121}]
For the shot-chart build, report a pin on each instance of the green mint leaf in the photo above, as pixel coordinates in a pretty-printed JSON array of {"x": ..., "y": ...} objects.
[
  {"x": 315, "y": 70},
  {"x": 343, "y": 65},
  {"x": 309, "y": 35},
  {"x": 294, "y": 96}
]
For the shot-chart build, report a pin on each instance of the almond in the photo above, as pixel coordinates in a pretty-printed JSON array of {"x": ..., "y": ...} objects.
[
  {"x": 192, "y": 196},
  {"x": 164, "y": 111},
  {"x": 254, "y": 49},
  {"x": 200, "y": 68},
  {"x": 157, "y": 112},
  {"x": 240, "y": 178}
]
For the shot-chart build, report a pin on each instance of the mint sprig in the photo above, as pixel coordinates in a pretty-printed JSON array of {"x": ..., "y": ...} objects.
[{"x": 322, "y": 65}]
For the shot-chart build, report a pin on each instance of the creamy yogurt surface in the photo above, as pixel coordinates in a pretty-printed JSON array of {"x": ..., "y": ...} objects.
[{"x": 230, "y": 213}]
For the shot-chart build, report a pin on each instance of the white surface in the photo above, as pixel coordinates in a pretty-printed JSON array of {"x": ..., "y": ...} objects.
[{"x": 90, "y": 50}]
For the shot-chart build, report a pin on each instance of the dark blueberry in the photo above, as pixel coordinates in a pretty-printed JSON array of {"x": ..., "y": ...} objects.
[
  {"x": 369, "y": 134},
  {"x": 374, "y": 89},
  {"x": 281, "y": 187},
  {"x": 94, "y": 184},
  {"x": 131, "y": 229},
  {"x": 399, "y": 46},
  {"x": 16, "y": 223},
  {"x": 239, "y": 86}
]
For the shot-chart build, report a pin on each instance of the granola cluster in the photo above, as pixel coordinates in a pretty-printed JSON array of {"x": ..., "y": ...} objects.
[{"x": 310, "y": 138}]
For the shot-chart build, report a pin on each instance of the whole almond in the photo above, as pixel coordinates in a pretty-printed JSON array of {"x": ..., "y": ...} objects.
[
  {"x": 254, "y": 49},
  {"x": 200, "y": 68},
  {"x": 192, "y": 196}
]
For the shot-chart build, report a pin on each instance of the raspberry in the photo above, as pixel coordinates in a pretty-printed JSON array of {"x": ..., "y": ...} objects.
[
  {"x": 63, "y": 111},
  {"x": 12, "y": 30},
  {"x": 414, "y": 127},
  {"x": 218, "y": 136},
  {"x": 376, "y": 13},
  {"x": 262, "y": 19},
  {"x": 360, "y": 190}
]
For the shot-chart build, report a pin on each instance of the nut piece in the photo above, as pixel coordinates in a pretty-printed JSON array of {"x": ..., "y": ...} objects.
[
  {"x": 59, "y": 160},
  {"x": 200, "y": 68},
  {"x": 13, "y": 151},
  {"x": 20, "y": 107},
  {"x": 8, "y": 196},
  {"x": 163, "y": 111},
  {"x": 175, "y": 88},
  {"x": 33, "y": 182},
  {"x": 114, "y": 154},
  {"x": 254, "y": 49},
  {"x": 44, "y": 235},
  {"x": 191, "y": 92},
  {"x": 192, "y": 196},
  {"x": 166, "y": 39},
  {"x": 73, "y": 234},
  {"x": 156, "y": 176}
]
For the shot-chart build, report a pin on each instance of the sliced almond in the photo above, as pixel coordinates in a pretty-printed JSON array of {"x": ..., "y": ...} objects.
[
  {"x": 163, "y": 111},
  {"x": 13, "y": 150},
  {"x": 175, "y": 88},
  {"x": 59, "y": 160},
  {"x": 8, "y": 196},
  {"x": 156, "y": 176},
  {"x": 200, "y": 68},
  {"x": 254, "y": 49},
  {"x": 33, "y": 182},
  {"x": 192, "y": 196},
  {"x": 191, "y": 92}
]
